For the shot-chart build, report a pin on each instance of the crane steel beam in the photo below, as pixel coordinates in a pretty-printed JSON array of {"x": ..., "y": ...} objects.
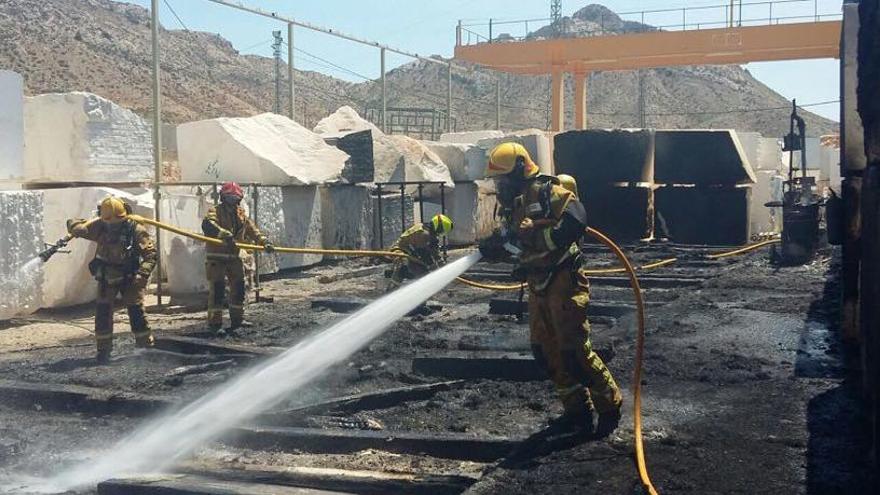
[{"x": 736, "y": 45}]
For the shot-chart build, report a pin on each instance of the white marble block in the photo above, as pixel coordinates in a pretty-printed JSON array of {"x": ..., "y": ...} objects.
[
  {"x": 268, "y": 148},
  {"x": 301, "y": 208},
  {"x": 21, "y": 238},
  {"x": 83, "y": 137},
  {"x": 11, "y": 126},
  {"x": 346, "y": 217}
]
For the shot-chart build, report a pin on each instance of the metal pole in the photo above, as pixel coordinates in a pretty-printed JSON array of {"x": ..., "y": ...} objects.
[
  {"x": 449, "y": 97},
  {"x": 276, "y": 53},
  {"x": 256, "y": 218},
  {"x": 290, "y": 103},
  {"x": 490, "y": 30},
  {"x": 498, "y": 102},
  {"x": 402, "y": 210},
  {"x": 379, "y": 215},
  {"x": 443, "y": 211},
  {"x": 421, "y": 205},
  {"x": 157, "y": 143},
  {"x": 384, "y": 91}
]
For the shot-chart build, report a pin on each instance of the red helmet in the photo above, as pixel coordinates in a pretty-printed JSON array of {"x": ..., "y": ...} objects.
[{"x": 231, "y": 188}]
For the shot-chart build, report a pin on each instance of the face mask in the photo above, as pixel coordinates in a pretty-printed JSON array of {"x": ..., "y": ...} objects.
[
  {"x": 114, "y": 228},
  {"x": 230, "y": 199},
  {"x": 507, "y": 190}
]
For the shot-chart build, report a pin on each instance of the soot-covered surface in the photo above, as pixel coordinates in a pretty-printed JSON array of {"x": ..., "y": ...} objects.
[{"x": 745, "y": 386}]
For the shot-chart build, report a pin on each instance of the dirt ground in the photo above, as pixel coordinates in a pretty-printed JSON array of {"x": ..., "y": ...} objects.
[{"x": 746, "y": 388}]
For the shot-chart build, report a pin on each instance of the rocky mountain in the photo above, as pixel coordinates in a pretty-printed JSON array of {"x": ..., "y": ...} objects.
[{"x": 103, "y": 47}]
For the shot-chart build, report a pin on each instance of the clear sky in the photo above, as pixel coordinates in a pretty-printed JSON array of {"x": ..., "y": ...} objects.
[{"x": 428, "y": 27}]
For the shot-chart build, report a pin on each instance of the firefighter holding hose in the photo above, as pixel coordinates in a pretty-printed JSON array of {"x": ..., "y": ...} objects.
[
  {"x": 421, "y": 243},
  {"x": 542, "y": 223},
  {"x": 124, "y": 260},
  {"x": 228, "y": 222}
]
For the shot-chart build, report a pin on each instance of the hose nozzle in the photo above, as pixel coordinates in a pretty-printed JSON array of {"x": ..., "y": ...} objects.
[{"x": 51, "y": 249}]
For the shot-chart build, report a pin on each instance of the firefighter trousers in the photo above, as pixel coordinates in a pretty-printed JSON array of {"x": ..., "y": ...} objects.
[
  {"x": 560, "y": 339},
  {"x": 133, "y": 299},
  {"x": 405, "y": 269},
  {"x": 218, "y": 272}
]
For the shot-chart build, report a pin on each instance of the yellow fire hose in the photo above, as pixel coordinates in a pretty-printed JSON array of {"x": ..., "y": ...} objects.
[
  {"x": 640, "y": 345},
  {"x": 626, "y": 267}
]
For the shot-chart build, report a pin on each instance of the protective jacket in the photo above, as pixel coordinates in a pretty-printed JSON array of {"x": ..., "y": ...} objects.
[
  {"x": 556, "y": 221},
  {"x": 418, "y": 242},
  {"x": 225, "y": 217},
  {"x": 122, "y": 253}
]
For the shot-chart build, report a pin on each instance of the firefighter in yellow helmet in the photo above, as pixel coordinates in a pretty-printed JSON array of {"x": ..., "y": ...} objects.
[
  {"x": 541, "y": 226},
  {"x": 228, "y": 222},
  {"x": 124, "y": 259},
  {"x": 422, "y": 243}
]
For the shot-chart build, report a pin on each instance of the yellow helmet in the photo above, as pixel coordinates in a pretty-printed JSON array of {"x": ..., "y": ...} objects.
[
  {"x": 568, "y": 182},
  {"x": 504, "y": 157},
  {"x": 112, "y": 210},
  {"x": 441, "y": 224}
]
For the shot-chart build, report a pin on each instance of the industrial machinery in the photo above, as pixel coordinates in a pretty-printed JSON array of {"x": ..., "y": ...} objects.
[{"x": 800, "y": 202}]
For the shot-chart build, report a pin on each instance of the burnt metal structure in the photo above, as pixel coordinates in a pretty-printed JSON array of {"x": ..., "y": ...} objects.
[
  {"x": 800, "y": 203},
  {"x": 421, "y": 123},
  {"x": 401, "y": 185}
]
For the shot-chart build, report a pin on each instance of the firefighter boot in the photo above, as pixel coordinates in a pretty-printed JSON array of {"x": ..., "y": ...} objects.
[
  {"x": 236, "y": 305},
  {"x": 578, "y": 409},
  {"x": 216, "y": 292},
  {"x": 143, "y": 335},
  {"x": 103, "y": 332}
]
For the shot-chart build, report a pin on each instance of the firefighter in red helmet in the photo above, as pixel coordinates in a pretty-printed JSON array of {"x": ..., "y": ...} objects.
[{"x": 228, "y": 222}]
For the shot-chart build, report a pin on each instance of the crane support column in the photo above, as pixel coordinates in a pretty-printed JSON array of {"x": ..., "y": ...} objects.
[
  {"x": 557, "y": 101},
  {"x": 580, "y": 100}
]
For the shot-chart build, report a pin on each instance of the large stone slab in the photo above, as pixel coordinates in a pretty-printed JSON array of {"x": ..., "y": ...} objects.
[
  {"x": 396, "y": 158},
  {"x": 768, "y": 187},
  {"x": 469, "y": 137},
  {"x": 391, "y": 222},
  {"x": 183, "y": 259},
  {"x": 605, "y": 156},
  {"x": 700, "y": 156},
  {"x": 464, "y": 161},
  {"x": 268, "y": 148},
  {"x": 624, "y": 213},
  {"x": 471, "y": 206},
  {"x": 72, "y": 137},
  {"x": 21, "y": 238},
  {"x": 301, "y": 209},
  {"x": 359, "y": 147},
  {"x": 11, "y": 126},
  {"x": 347, "y": 217},
  {"x": 702, "y": 215},
  {"x": 536, "y": 141}
]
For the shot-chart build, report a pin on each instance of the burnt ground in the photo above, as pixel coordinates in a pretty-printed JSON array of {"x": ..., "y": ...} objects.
[{"x": 746, "y": 389}]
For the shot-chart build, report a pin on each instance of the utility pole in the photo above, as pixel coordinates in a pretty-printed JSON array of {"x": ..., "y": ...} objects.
[
  {"x": 291, "y": 88},
  {"x": 642, "y": 116},
  {"x": 556, "y": 16},
  {"x": 498, "y": 102},
  {"x": 276, "y": 51},
  {"x": 157, "y": 141}
]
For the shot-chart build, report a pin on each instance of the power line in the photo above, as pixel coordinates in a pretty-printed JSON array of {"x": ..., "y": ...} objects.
[{"x": 175, "y": 15}]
